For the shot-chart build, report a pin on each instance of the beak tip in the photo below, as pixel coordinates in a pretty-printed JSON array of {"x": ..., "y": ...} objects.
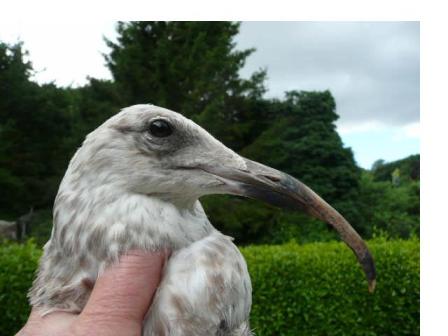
[{"x": 369, "y": 269}]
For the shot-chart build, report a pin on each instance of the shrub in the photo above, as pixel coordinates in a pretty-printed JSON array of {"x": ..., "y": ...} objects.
[
  {"x": 392, "y": 209},
  {"x": 318, "y": 289},
  {"x": 18, "y": 263},
  {"x": 312, "y": 289}
]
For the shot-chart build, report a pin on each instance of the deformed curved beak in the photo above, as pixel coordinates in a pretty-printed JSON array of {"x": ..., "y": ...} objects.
[{"x": 272, "y": 186}]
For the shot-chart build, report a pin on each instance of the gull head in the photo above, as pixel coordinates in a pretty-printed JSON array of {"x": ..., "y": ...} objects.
[
  {"x": 148, "y": 159},
  {"x": 156, "y": 152}
]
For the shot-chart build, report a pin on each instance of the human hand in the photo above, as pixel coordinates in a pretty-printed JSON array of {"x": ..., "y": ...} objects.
[{"x": 117, "y": 306}]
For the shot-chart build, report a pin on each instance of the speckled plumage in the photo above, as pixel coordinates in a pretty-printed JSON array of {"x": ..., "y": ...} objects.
[
  {"x": 121, "y": 191},
  {"x": 129, "y": 188}
]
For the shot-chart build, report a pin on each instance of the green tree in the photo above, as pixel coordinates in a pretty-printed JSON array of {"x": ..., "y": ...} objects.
[
  {"x": 189, "y": 67},
  {"x": 90, "y": 106},
  {"x": 409, "y": 168},
  {"x": 193, "y": 68},
  {"x": 377, "y": 164},
  {"x": 33, "y": 127},
  {"x": 390, "y": 209}
]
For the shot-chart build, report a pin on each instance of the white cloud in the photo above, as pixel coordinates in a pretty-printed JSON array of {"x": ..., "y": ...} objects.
[
  {"x": 350, "y": 128},
  {"x": 64, "y": 52},
  {"x": 398, "y": 133},
  {"x": 412, "y": 130}
]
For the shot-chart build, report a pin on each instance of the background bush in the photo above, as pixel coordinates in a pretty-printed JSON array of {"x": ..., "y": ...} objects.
[
  {"x": 318, "y": 289},
  {"x": 312, "y": 289},
  {"x": 18, "y": 263}
]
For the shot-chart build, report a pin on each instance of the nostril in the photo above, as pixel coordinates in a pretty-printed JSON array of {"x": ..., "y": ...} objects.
[{"x": 272, "y": 178}]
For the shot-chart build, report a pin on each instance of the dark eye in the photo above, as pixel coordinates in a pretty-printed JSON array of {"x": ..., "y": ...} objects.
[{"x": 160, "y": 128}]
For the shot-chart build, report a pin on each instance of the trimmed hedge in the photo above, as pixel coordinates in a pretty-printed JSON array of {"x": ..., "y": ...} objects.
[
  {"x": 312, "y": 289},
  {"x": 18, "y": 263},
  {"x": 319, "y": 289}
]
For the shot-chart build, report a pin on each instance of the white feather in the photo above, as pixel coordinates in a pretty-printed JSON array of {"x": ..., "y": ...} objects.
[{"x": 117, "y": 195}]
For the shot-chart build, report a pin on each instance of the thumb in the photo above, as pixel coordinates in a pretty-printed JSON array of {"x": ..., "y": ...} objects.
[{"x": 124, "y": 292}]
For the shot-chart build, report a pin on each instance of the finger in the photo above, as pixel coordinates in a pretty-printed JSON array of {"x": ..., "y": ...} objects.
[{"x": 125, "y": 290}]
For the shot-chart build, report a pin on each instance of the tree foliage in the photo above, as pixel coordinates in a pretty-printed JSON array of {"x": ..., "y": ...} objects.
[
  {"x": 194, "y": 68},
  {"x": 34, "y": 126},
  {"x": 389, "y": 208},
  {"x": 409, "y": 169},
  {"x": 189, "y": 67}
]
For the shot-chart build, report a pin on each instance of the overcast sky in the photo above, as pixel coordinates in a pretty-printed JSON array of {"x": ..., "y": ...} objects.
[{"x": 372, "y": 69}]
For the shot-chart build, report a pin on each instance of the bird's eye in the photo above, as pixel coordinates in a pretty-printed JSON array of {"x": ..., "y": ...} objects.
[{"x": 160, "y": 128}]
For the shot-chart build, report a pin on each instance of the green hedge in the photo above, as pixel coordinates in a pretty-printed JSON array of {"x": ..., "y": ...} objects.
[
  {"x": 312, "y": 289},
  {"x": 318, "y": 289},
  {"x": 18, "y": 263}
]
